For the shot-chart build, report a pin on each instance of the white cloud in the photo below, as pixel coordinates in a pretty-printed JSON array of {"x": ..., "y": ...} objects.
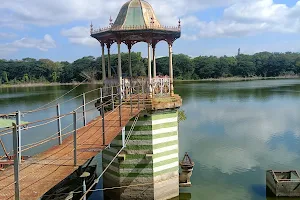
[
  {"x": 79, "y": 35},
  {"x": 249, "y": 18},
  {"x": 59, "y": 12},
  {"x": 7, "y": 35},
  {"x": 42, "y": 44}
]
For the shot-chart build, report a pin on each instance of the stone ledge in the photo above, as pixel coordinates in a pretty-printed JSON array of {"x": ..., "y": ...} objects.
[{"x": 163, "y": 103}]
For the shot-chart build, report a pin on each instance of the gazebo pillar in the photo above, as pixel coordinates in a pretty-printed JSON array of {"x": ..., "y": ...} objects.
[
  {"x": 149, "y": 70},
  {"x": 171, "y": 68},
  {"x": 129, "y": 59},
  {"x": 103, "y": 63},
  {"x": 108, "y": 60},
  {"x": 154, "y": 61},
  {"x": 119, "y": 66}
]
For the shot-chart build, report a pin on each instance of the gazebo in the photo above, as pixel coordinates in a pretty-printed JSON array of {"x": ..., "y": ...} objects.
[{"x": 137, "y": 22}]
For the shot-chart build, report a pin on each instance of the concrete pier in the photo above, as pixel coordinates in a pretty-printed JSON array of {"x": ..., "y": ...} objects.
[{"x": 149, "y": 164}]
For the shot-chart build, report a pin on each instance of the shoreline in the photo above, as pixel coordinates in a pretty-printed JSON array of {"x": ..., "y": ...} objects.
[
  {"x": 45, "y": 84},
  {"x": 230, "y": 79},
  {"x": 236, "y": 79}
]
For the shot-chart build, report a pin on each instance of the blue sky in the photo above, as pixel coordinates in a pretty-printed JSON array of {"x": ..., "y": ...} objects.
[{"x": 59, "y": 30}]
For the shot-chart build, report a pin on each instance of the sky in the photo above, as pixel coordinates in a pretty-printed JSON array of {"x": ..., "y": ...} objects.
[{"x": 59, "y": 30}]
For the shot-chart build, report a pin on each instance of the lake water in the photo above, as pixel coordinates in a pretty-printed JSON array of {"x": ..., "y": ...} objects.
[{"x": 234, "y": 131}]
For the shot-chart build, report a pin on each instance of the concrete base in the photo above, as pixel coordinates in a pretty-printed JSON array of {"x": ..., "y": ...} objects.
[{"x": 168, "y": 188}]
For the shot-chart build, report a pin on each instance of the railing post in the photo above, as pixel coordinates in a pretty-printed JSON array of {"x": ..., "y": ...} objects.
[
  {"x": 102, "y": 115},
  {"x": 16, "y": 162},
  {"x": 161, "y": 86},
  {"x": 170, "y": 86},
  {"x": 101, "y": 100},
  {"x": 123, "y": 137},
  {"x": 130, "y": 96},
  {"x": 143, "y": 91},
  {"x": 18, "y": 123},
  {"x": 138, "y": 97},
  {"x": 74, "y": 137},
  {"x": 112, "y": 98},
  {"x": 84, "y": 109},
  {"x": 58, "y": 124},
  {"x": 120, "y": 108}
]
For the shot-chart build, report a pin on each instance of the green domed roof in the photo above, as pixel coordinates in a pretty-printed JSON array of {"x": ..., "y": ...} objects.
[{"x": 136, "y": 13}]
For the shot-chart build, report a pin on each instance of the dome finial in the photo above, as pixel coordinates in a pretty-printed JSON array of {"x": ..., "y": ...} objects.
[
  {"x": 179, "y": 23},
  {"x": 91, "y": 27}
]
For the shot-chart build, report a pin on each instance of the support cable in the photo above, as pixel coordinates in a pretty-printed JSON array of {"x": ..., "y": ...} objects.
[{"x": 97, "y": 180}]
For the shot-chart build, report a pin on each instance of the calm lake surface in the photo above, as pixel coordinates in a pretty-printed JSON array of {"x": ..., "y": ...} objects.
[{"x": 234, "y": 131}]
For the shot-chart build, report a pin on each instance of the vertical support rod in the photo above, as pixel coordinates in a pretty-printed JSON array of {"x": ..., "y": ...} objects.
[
  {"x": 161, "y": 86},
  {"x": 138, "y": 97},
  {"x": 18, "y": 123},
  {"x": 84, "y": 189},
  {"x": 101, "y": 101},
  {"x": 112, "y": 98},
  {"x": 120, "y": 108},
  {"x": 130, "y": 96},
  {"x": 129, "y": 60},
  {"x": 102, "y": 116},
  {"x": 149, "y": 70},
  {"x": 16, "y": 162},
  {"x": 119, "y": 68},
  {"x": 171, "y": 69},
  {"x": 154, "y": 61},
  {"x": 123, "y": 137},
  {"x": 108, "y": 61},
  {"x": 74, "y": 137},
  {"x": 84, "y": 109},
  {"x": 58, "y": 124},
  {"x": 103, "y": 63},
  {"x": 143, "y": 94}
]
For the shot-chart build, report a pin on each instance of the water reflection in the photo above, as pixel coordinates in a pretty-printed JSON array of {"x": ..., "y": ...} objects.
[
  {"x": 233, "y": 132},
  {"x": 236, "y": 131}
]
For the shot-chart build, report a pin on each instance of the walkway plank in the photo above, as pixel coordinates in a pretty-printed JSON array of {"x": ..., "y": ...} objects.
[{"x": 42, "y": 172}]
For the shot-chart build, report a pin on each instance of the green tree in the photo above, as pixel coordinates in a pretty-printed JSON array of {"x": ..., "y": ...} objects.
[
  {"x": 5, "y": 77},
  {"x": 25, "y": 78}
]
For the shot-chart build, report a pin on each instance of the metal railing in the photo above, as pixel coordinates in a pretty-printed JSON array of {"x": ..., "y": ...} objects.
[{"x": 109, "y": 101}]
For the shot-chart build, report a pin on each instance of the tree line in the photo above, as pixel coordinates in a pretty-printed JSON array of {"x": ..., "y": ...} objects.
[{"x": 264, "y": 64}]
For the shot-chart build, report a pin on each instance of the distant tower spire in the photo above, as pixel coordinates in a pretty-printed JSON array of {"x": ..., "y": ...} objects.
[
  {"x": 110, "y": 22},
  {"x": 239, "y": 51}
]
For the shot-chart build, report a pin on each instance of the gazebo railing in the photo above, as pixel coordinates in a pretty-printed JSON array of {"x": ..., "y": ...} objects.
[
  {"x": 159, "y": 86},
  {"x": 142, "y": 27}
]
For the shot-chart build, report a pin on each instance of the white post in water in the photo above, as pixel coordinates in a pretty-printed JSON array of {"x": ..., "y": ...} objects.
[{"x": 84, "y": 176}]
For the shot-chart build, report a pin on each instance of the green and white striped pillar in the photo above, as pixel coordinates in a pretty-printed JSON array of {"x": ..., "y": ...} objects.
[{"x": 149, "y": 160}]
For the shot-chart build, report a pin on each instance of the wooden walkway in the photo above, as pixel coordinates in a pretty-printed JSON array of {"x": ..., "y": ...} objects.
[{"x": 42, "y": 172}]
